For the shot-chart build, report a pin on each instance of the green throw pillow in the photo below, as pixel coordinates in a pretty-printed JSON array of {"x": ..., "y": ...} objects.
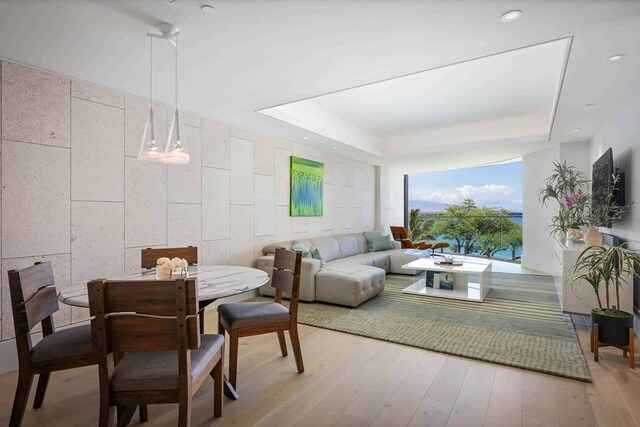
[
  {"x": 380, "y": 243},
  {"x": 317, "y": 254},
  {"x": 298, "y": 246}
]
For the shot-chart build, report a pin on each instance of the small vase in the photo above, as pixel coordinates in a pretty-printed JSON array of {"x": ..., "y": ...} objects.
[{"x": 593, "y": 237}]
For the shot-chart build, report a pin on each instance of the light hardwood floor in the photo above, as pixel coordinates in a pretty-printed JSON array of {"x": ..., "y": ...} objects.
[{"x": 355, "y": 381}]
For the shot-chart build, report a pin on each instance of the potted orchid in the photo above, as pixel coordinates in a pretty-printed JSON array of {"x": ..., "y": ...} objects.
[{"x": 566, "y": 188}]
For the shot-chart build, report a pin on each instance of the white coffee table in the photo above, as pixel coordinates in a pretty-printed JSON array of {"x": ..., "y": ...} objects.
[{"x": 463, "y": 289}]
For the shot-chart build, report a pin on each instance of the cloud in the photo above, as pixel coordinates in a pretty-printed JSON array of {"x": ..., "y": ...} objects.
[{"x": 485, "y": 195}]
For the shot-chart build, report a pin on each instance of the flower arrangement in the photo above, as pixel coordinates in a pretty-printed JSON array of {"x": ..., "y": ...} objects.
[
  {"x": 165, "y": 267},
  {"x": 601, "y": 211},
  {"x": 566, "y": 187}
]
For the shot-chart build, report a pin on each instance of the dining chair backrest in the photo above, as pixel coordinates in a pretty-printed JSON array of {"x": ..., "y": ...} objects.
[
  {"x": 33, "y": 299},
  {"x": 143, "y": 315},
  {"x": 286, "y": 275},
  {"x": 149, "y": 256}
]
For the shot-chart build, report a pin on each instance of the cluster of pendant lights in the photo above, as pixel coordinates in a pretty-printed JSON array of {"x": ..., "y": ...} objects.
[{"x": 175, "y": 151}]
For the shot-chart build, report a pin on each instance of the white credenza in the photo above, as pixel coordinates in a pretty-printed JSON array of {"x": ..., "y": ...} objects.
[{"x": 580, "y": 298}]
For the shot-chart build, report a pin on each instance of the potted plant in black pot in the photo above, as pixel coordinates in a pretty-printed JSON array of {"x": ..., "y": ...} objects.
[{"x": 611, "y": 267}]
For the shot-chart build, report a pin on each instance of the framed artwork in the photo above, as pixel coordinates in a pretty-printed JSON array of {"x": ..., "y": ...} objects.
[{"x": 307, "y": 183}]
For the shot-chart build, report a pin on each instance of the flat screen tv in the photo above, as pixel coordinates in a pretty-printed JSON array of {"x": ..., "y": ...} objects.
[{"x": 602, "y": 180}]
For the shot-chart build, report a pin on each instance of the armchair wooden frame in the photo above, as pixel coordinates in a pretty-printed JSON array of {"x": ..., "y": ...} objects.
[
  {"x": 285, "y": 278},
  {"x": 400, "y": 235},
  {"x": 34, "y": 301},
  {"x": 160, "y": 316}
]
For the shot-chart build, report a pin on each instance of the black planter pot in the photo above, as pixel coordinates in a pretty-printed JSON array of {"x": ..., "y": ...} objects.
[{"x": 612, "y": 330}]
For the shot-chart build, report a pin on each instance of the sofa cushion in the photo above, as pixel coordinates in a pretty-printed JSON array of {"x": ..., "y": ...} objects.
[
  {"x": 348, "y": 245},
  {"x": 362, "y": 242},
  {"x": 349, "y": 285},
  {"x": 374, "y": 259},
  {"x": 317, "y": 254},
  {"x": 328, "y": 246}
]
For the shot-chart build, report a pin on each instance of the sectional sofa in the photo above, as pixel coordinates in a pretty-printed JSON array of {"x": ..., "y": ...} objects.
[{"x": 351, "y": 274}]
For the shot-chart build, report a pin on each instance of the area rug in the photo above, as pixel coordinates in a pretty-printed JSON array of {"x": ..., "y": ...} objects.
[{"x": 519, "y": 324}]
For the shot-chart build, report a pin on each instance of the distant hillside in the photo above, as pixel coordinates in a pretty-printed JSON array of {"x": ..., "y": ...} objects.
[{"x": 427, "y": 206}]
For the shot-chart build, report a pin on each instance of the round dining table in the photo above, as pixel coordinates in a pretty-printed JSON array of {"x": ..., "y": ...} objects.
[{"x": 214, "y": 282}]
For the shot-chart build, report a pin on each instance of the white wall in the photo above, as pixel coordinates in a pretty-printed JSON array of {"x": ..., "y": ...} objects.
[
  {"x": 74, "y": 193},
  {"x": 621, "y": 132},
  {"x": 537, "y": 247}
]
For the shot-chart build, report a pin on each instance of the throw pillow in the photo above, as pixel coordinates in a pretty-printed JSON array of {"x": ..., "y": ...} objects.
[
  {"x": 317, "y": 254},
  {"x": 380, "y": 243},
  {"x": 298, "y": 246}
]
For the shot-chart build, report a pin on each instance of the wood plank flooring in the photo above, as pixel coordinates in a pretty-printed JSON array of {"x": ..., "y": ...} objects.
[{"x": 356, "y": 381}]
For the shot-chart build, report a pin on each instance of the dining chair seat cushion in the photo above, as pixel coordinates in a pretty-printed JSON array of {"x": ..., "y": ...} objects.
[
  {"x": 64, "y": 344},
  {"x": 158, "y": 370},
  {"x": 243, "y": 314}
]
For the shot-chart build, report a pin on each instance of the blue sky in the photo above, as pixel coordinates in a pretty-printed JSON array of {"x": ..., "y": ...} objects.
[{"x": 490, "y": 186}]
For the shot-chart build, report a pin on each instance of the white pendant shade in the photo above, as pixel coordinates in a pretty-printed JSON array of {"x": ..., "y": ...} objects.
[
  {"x": 176, "y": 151},
  {"x": 150, "y": 151}
]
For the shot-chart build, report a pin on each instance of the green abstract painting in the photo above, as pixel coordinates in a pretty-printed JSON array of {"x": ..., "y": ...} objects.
[{"x": 307, "y": 182}]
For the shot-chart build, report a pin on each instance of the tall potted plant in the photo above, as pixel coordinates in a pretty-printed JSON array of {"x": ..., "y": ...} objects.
[
  {"x": 612, "y": 267},
  {"x": 566, "y": 187}
]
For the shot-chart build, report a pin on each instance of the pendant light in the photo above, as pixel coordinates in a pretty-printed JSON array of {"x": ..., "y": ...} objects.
[
  {"x": 176, "y": 151},
  {"x": 150, "y": 151}
]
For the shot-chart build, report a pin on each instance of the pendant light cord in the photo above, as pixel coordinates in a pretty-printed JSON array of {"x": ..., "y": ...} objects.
[
  {"x": 151, "y": 71},
  {"x": 177, "y": 56}
]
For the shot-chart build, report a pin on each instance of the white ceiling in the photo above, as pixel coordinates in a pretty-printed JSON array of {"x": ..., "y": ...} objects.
[
  {"x": 507, "y": 95},
  {"x": 254, "y": 54}
]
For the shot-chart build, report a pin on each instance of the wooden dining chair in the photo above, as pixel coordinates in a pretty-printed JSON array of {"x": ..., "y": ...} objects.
[
  {"x": 149, "y": 256},
  {"x": 400, "y": 235},
  {"x": 33, "y": 301},
  {"x": 254, "y": 318},
  {"x": 152, "y": 329}
]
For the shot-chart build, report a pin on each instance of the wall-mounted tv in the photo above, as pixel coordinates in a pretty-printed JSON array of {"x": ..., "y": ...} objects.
[{"x": 602, "y": 180}]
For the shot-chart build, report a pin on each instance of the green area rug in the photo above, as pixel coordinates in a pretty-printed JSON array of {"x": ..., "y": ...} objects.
[{"x": 519, "y": 324}]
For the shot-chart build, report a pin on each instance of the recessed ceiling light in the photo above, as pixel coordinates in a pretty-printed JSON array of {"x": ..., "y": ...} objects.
[
  {"x": 208, "y": 9},
  {"x": 304, "y": 137},
  {"x": 512, "y": 15},
  {"x": 335, "y": 148},
  {"x": 576, "y": 130},
  {"x": 616, "y": 57},
  {"x": 591, "y": 105}
]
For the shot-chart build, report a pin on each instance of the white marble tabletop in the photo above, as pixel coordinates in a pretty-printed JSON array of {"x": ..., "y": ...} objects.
[{"x": 214, "y": 281}]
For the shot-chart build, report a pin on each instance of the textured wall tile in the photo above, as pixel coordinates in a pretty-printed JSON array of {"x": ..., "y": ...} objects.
[
  {"x": 184, "y": 225},
  {"x": 264, "y": 155},
  {"x": 283, "y": 223},
  {"x": 97, "y": 94},
  {"x": 97, "y": 240},
  {"x": 265, "y": 209},
  {"x": 188, "y": 119},
  {"x": 241, "y": 133},
  {"x": 133, "y": 257},
  {"x": 299, "y": 224},
  {"x": 242, "y": 164},
  {"x": 145, "y": 203},
  {"x": 215, "y": 204},
  {"x": 216, "y": 151},
  {"x": 35, "y": 200},
  {"x": 36, "y": 106},
  {"x": 184, "y": 183},
  {"x": 260, "y": 242},
  {"x": 356, "y": 219},
  {"x": 215, "y": 252},
  {"x": 61, "y": 265},
  {"x": 282, "y": 175},
  {"x": 241, "y": 246},
  {"x": 328, "y": 217},
  {"x": 97, "y": 147},
  {"x": 136, "y": 115}
]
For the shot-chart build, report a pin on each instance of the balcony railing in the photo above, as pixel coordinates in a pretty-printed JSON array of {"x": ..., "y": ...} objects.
[{"x": 491, "y": 236}]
